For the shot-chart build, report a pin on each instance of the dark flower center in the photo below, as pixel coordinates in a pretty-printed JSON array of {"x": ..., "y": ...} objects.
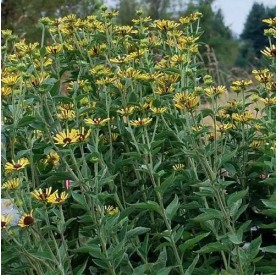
[
  {"x": 28, "y": 221},
  {"x": 67, "y": 140},
  {"x": 17, "y": 165},
  {"x": 3, "y": 224}
]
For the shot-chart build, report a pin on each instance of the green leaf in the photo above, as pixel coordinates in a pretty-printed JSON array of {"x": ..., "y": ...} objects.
[
  {"x": 235, "y": 238},
  {"x": 166, "y": 184},
  {"x": 79, "y": 198},
  {"x": 270, "y": 204},
  {"x": 79, "y": 270},
  {"x": 55, "y": 90},
  {"x": 269, "y": 249},
  {"x": 236, "y": 196},
  {"x": 254, "y": 247},
  {"x": 210, "y": 214},
  {"x": 207, "y": 112},
  {"x": 191, "y": 243},
  {"x": 42, "y": 255},
  {"x": 172, "y": 208},
  {"x": 26, "y": 121},
  {"x": 165, "y": 270},
  {"x": 190, "y": 269},
  {"x": 59, "y": 176},
  {"x": 137, "y": 231},
  {"x": 149, "y": 205},
  {"x": 161, "y": 261},
  {"x": 87, "y": 249},
  {"x": 213, "y": 247}
]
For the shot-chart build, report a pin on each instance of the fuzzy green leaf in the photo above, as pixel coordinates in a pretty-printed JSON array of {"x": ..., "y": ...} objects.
[
  {"x": 189, "y": 244},
  {"x": 172, "y": 208}
]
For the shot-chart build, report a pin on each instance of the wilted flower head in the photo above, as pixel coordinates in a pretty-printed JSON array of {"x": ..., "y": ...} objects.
[{"x": 111, "y": 210}]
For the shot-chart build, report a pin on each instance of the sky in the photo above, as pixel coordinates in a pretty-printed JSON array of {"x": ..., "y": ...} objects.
[{"x": 235, "y": 12}]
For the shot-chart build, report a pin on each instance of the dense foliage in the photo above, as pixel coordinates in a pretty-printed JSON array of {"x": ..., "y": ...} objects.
[{"x": 118, "y": 159}]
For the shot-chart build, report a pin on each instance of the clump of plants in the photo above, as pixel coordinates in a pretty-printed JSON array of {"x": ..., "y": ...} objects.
[{"x": 112, "y": 164}]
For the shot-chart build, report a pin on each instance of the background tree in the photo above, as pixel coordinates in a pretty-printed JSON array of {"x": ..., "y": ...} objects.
[
  {"x": 253, "y": 39},
  {"x": 22, "y": 15},
  {"x": 220, "y": 49},
  {"x": 127, "y": 11}
]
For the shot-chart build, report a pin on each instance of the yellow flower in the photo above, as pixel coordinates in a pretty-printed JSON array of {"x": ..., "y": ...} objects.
[
  {"x": 6, "y": 33},
  {"x": 96, "y": 50},
  {"x": 263, "y": 76},
  {"x": 11, "y": 80},
  {"x": 26, "y": 220},
  {"x": 162, "y": 90},
  {"x": 167, "y": 80},
  {"x": 240, "y": 85},
  {"x": 66, "y": 115},
  {"x": 66, "y": 137},
  {"x": 52, "y": 158},
  {"x": 69, "y": 18},
  {"x": 54, "y": 49},
  {"x": 26, "y": 48},
  {"x": 55, "y": 198},
  {"x": 165, "y": 25},
  {"x": 43, "y": 62},
  {"x": 245, "y": 117},
  {"x": 185, "y": 101},
  {"x": 256, "y": 144},
  {"x": 222, "y": 128},
  {"x": 141, "y": 20},
  {"x": 140, "y": 122},
  {"x": 222, "y": 113},
  {"x": 100, "y": 70},
  {"x": 271, "y": 32},
  {"x": 126, "y": 111},
  {"x": 41, "y": 195},
  {"x": 269, "y": 51},
  {"x": 11, "y": 184},
  {"x": 158, "y": 111},
  {"x": 118, "y": 59},
  {"x": 215, "y": 91},
  {"x": 109, "y": 14},
  {"x": 124, "y": 30},
  {"x": 82, "y": 135},
  {"x": 197, "y": 128},
  {"x": 106, "y": 138},
  {"x": 96, "y": 121},
  {"x": 16, "y": 165},
  {"x": 6, "y": 91},
  {"x": 36, "y": 81},
  {"x": 178, "y": 167},
  {"x": 6, "y": 220},
  {"x": 111, "y": 210},
  {"x": 269, "y": 101},
  {"x": 270, "y": 21}
]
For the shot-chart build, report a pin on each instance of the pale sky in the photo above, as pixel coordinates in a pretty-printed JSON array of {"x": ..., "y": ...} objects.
[{"x": 235, "y": 12}]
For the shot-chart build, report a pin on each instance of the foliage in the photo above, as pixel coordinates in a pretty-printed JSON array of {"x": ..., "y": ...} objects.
[
  {"x": 253, "y": 36},
  {"x": 116, "y": 167},
  {"x": 22, "y": 16}
]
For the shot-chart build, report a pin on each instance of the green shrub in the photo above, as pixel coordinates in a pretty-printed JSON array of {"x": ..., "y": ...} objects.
[{"x": 116, "y": 167}]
